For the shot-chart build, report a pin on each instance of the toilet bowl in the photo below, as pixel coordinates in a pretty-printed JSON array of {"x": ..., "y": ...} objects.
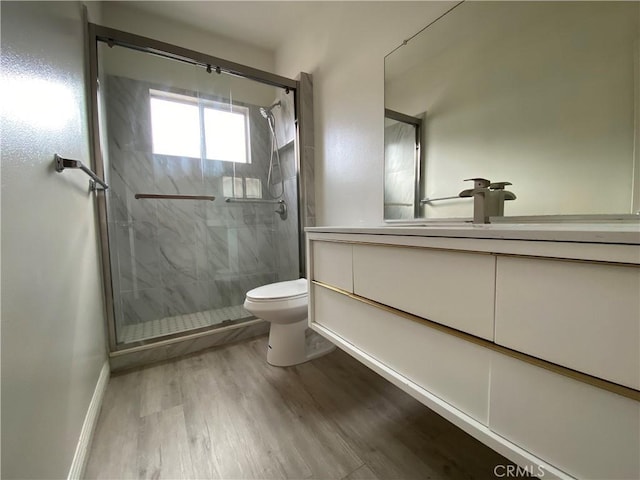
[{"x": 284, "y": 305}]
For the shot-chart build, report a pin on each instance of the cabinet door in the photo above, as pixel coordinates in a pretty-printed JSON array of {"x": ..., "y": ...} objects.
[
  {"x": 583, "y": 430},
  {"x": 452, "y": 369},
  {"x": 332, "y": 264},
  {"x": 456, "y": 289},
  {"x": 585, "y": 316}
]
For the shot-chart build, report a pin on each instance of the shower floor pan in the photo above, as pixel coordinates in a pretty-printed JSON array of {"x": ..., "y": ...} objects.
[{"x": 181, "y": 323}]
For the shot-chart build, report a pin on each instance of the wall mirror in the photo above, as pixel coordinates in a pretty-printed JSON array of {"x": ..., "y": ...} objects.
[{"x": 544, "y": 95}]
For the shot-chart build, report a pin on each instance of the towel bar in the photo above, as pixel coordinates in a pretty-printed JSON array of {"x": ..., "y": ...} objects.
[{"x": 62, "y": 163}]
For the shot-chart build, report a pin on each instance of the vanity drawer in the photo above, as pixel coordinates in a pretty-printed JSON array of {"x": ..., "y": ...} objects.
[
  {"x": 332, "y": 264},
  {"x": 584, "y": 316},
  {"x": 456, "y": 289},
  {"x": 450, "y": 368},
  {"x": 583, "y": 430}
]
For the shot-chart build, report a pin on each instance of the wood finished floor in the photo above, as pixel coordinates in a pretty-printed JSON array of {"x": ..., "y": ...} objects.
[{"x": 227, "y": 414}]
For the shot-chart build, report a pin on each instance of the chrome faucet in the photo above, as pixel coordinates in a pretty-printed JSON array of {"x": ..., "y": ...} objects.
[{"x": 488, "y": 198}]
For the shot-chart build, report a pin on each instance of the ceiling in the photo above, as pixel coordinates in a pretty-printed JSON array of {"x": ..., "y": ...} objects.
[{"x": 263, "y": 24}]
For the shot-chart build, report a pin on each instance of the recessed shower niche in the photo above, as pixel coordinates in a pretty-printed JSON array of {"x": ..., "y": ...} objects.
[{"x": 202, "y": 162}]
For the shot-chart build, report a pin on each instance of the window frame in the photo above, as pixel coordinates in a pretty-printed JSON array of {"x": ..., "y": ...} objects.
[{"x": 202, "y": 104}]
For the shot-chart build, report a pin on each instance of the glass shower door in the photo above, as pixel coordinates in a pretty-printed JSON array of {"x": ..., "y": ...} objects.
[{"x": 198, "y": 163}]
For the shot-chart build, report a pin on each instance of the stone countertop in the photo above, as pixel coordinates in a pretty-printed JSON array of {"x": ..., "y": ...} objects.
[{"x": 613, "y": 233}]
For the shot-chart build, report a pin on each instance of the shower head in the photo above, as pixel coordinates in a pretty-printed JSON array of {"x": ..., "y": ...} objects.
[{"x": 266, "y": 111}]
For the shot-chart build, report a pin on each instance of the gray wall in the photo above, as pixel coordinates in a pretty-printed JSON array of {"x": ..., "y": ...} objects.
[
  {"x": 174, "y": 257},
  {"x": 53, "y": 342}
]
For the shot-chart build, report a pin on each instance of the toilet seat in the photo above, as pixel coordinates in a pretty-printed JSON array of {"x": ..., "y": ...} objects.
[
  {"x": 277, "y": 292},
  {"x": 282, "y": 302},
  {"x": 285, "y": 306}
]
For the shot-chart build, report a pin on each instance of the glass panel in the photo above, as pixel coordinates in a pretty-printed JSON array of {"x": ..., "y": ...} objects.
[
  {"x": 232, "y": 187},
  {"x": 254, "y": 187},
  {"x": 255, "y": 245},
  {"x": 225, "y": 135},
  {"x": 399, "y": 169},
  {"x": 175, "y": 128},
  {"x": 180, "y": 265}
]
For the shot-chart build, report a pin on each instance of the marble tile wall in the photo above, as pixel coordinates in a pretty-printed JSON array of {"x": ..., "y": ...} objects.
[
  {"x": 287, "y": 231},
  {"x": 306, "y": 149},
  {"x": 173, "y": 257}
]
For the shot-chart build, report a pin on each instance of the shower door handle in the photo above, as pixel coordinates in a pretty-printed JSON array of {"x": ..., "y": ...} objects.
[{"x": 138, "y": 196}]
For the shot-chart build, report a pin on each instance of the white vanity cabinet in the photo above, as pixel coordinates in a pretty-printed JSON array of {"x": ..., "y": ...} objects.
[
  {"x": 455, "y": 371},
  {"x": 532, "y": 347},
  {"x": 456, "y": 289},
  {"x": 332, "y": 264},
  {"x": 585, "y": 431},
  {"x": 581, "y": 315}
]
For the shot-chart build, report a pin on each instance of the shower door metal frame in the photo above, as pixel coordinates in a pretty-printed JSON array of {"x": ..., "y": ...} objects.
[{"x": 110, "y": 36}]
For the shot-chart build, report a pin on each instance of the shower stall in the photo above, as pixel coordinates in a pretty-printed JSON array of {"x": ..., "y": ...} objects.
[{"x": 202, "y": 159}]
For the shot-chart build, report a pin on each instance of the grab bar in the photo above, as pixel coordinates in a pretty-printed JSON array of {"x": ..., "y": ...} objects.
[
  {"x": 282, "y": 205},
  {"x": 62, "y": 163},
  {"x": 250, "y": 200},
  {"x": 138, "y": 196},
  {"x": 429, "y": 200}
]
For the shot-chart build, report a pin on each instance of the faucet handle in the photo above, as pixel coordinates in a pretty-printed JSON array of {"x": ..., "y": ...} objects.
[
  {"x": 499, "y": 185},
  {"x": 479, "y": 182}
]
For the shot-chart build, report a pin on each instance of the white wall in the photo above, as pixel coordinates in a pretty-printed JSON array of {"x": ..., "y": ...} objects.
[
  {"x": 343, "y": 46},
  {"x": 141, "y": 66},
  {"x": 53, "y": 341},
  {"x": 120, "y": 16}
]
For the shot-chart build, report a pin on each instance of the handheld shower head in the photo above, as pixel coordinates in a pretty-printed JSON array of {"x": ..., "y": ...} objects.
[
  {"x": 274, "y": 159},
  {"x": 266, "y": 111}
]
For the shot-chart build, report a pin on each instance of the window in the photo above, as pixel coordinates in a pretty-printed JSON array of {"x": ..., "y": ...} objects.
[
  {"x": 175, "y": 128},
  {"x": 225, "y": 135},
  {"x": 190, "y": 127}
]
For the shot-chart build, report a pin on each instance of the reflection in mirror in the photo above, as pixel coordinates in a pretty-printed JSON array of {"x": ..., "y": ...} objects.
[
  {"x": 543, "y": 95},
  {"x": 402, "y": 135}
]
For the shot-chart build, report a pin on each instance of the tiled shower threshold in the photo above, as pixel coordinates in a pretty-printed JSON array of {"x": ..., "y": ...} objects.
[{"x": 182, "y": 323}]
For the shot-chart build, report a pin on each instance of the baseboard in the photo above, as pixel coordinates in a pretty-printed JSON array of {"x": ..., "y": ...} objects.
[{"x": 81, "y": 455}]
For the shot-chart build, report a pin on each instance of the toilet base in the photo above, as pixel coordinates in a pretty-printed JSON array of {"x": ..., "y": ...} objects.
[{"x": 287, "y": 345}]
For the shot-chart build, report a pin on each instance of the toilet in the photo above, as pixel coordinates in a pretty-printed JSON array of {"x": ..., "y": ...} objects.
[{"x": 284, "y": 305}]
